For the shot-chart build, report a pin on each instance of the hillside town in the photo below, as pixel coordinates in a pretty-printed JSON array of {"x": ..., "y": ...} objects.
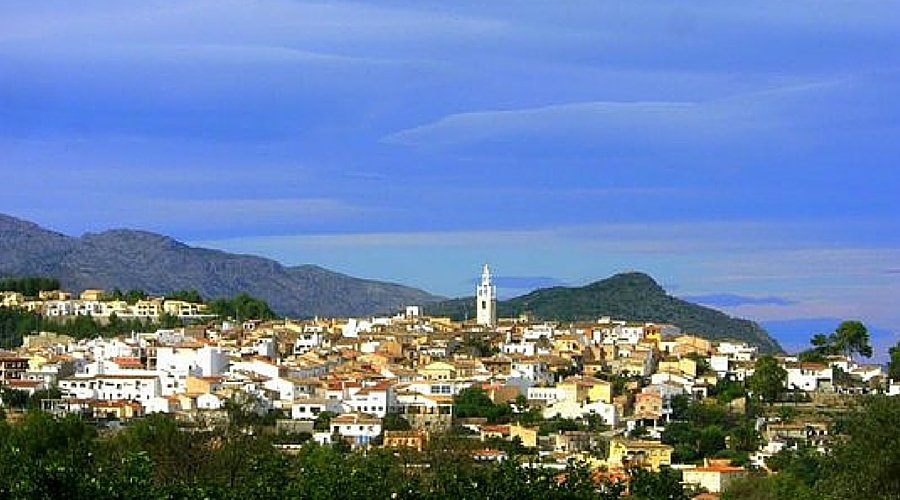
[{"x": 611, "y": 393}]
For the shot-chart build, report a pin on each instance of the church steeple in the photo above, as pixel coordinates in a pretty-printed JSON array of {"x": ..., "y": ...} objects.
[{"x": 486, "y": 300}]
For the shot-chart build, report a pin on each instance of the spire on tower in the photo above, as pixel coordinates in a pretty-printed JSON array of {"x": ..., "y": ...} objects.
[{"x": 486, "y": 275}]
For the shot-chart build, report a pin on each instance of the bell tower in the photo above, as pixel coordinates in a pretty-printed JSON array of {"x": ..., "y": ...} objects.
[{"x": 486, "y": 300}]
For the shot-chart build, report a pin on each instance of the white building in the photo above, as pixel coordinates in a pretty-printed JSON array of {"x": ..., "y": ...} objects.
[
  {"x": 138, "y": 387},
  {"x": 522, "y": 348},
  {"x": 549, "y": 395},
  {"x": 358, "y": 429},
  {"x": 309, "y": 338},
  {"x": 309, "y": 409},
  {"x": 486, "y": 300},
  {"x": 536, "y": 332},
  {"x": 809, "y": 376},
  {"x": 377, "y": 400}
]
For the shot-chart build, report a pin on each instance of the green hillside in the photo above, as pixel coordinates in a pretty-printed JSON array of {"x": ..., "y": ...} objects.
[{"x": 628, "y": 296}]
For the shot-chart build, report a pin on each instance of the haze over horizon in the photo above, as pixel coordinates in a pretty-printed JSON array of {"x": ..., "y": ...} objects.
[{"x": 739, "y": 153}]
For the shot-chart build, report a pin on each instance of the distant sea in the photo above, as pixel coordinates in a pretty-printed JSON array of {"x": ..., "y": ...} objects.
[{"x": 794, "y": 335}]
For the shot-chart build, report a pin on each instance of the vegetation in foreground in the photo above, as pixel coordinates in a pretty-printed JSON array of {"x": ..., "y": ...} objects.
[{"x": 44, "y": 457}]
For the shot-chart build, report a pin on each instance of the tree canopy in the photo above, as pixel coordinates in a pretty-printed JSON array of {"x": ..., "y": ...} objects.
[
  {"x": 894, "y": 363},
  {"x": 475, "y": 402},
  {"x": 47, "y": 458},
  {"x": 849, "y": 338},
  {"x": 242, "y": 307},
  {"x": 29, "y": 286},
  {"x": 768, "y": 379}
]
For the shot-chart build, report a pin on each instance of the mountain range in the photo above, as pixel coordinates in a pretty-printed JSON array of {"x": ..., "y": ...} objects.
[{"x": 129, "y": 259}]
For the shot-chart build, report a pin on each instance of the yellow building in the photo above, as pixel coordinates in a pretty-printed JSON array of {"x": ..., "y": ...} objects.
[
  {"x": 438, "y": 370},
  {"x": 148, "y": 308},
  {"x": 92, "y": 294},
  {"x": 683, "y": 365},
  {"x": 406, "y": 439},
  {"x": 580, "y": 389},
  {"x": 686, "y": 344},
  {"x": 528, "y": 436},
  {"x": 12, "y": 299},
  {"x": 638, "y": 453},
  {"x": 181, "y": 308},
  {"x": 600, "y": 390}
]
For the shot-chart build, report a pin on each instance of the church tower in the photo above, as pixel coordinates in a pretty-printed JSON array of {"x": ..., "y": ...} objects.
[{"x": 486, "y": 300}]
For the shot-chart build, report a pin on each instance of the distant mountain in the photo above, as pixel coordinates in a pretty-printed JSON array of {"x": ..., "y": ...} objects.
[
  {"x": 158, "y": 264},
  {"x": 629, "y": 296}
]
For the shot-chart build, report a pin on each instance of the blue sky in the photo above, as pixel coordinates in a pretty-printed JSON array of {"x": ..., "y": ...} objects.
[{"x": 742, "y": 153}]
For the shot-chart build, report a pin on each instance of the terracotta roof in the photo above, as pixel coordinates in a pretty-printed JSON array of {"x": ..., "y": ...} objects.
[
  {"x": 23, "y": 383},
  {"x": 717, "y": 468}
]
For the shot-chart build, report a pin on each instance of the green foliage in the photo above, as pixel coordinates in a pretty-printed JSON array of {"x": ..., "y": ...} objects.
[
  {"x": 680, "y": 405},
  {"x": 242, "y": 307},
  {"x": 393, "y": 421},
  {"x": 867, "y": 463},
  {"x": 894, "y": 364},
  {"x": 475, "y": 402},
  {"x": 323, "y": 421},
  {"x": 744, "y": 438},
  {"x": 48, "y": 458},
  {"x": 852, "y": 337},
  {"x": 768, "y": 379},
  {"x": 557, "y": 425},
  {"x": 812, "y": 356},
  {"x": 167, "y": 320},
  {"x": 14, "y": 325},
  {"x": 701, "y": 429},
  {"x": 727, "y": 390},
  {"x": 664, "y": 485},
  {"x": 787, "y": 413},
  {"x": 783, "y": 486},
  {"x": 14, "y": 398},
  {"x": 185, "y": 295},
  {"x": 529, "y": 417},
  {"x": 864, "y": 463},
  {"x": 29, "y": 286},
  {"x": 805, "y": 464},
  {"x": 849, "y": 338}
]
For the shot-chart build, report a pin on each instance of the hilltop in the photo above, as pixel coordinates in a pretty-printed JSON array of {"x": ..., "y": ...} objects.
[{"x": 631, "y": 296}]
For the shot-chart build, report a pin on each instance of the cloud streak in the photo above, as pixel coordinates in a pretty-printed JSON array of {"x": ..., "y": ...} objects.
[{"x": 734, "y": 300}]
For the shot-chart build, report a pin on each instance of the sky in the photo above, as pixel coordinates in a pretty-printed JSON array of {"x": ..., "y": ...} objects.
[{"x": 742, "y": 153}]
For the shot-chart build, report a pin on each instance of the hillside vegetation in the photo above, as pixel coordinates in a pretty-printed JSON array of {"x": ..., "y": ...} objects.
[{"x": 628, "y": 296}]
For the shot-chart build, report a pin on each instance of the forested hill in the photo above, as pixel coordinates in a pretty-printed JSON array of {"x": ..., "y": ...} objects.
[
  {"x": 627, "y": 296},
  {"x": 158, "y": 264}
]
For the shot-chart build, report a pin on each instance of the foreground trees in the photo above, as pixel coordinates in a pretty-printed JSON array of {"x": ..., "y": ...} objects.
[
  {"x": 47, "y": 458},
  {"x": 865, "y": 463}
]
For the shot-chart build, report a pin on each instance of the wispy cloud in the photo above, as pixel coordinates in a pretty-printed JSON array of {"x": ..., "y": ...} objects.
[
  {"x": 600, "y": 117},
  {"x": 753, "y": 117},
  {"x": 733, "y": 300}
]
